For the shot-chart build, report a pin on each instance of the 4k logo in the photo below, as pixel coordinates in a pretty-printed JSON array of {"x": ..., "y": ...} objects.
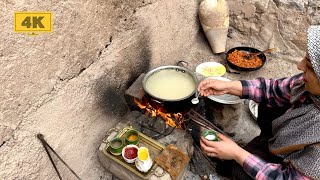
[{"x": 31, "y": 22}]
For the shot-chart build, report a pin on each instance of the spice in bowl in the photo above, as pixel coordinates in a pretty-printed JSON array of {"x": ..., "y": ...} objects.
[
  {"x": 210, "y": 135},
  {"x": 130, "y": 153},
  {"x": 132, "y": 137},
  {"x": 116, "y": 146}
]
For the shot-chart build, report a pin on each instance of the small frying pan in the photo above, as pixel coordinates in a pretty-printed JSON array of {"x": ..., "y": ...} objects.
[{"x": 249, "y": 50}]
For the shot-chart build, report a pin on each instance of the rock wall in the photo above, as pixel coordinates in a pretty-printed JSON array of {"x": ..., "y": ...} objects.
[
  {"x": 69, "y": 84},
  {"x": 280, "y": 23}
]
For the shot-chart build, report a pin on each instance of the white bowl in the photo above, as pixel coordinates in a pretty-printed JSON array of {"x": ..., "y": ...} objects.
[
  {"x": 144, "y": 165},
  {"x": 211, "y": 69},
  {"x": 124, "y": 150},
  {"x": 225, "y": 98},
  {"x": 253, "y": 107}
]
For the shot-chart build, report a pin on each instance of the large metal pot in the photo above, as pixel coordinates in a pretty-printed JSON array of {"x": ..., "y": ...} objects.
[{"x": 178, "y": 104}]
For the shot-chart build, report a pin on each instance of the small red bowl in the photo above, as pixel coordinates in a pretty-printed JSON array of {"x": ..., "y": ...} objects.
[{"x": 130, "y": 153}]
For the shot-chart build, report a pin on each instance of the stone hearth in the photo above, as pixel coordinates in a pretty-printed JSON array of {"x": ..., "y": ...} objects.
[
  {"x": 178, "y": 137},
  {"x": 233, "y": 119},
  {"x": 224, "y": 118}
]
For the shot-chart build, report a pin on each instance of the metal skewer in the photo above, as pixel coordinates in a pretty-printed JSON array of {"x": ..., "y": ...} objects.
[{"x": 47, "y": 147}]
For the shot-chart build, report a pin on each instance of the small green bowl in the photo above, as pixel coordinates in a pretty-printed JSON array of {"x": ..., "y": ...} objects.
[
  {"x": 116, "y": 146},
  {"x": 132, "y": 137},
  {"x": 210, "y": 135}
]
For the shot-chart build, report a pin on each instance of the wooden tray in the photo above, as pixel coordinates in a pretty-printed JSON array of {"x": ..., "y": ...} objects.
[{"x": 154, "y": 147}]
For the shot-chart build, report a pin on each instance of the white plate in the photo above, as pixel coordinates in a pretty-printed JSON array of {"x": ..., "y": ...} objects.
[
  {"x": 253, "y": 107},
  {"x": 226, "y": 98},
  {"x": 211, "y": 69}
]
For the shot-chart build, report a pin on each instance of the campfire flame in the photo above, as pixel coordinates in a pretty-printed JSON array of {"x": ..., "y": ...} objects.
[{"x": 154, "y": 109}]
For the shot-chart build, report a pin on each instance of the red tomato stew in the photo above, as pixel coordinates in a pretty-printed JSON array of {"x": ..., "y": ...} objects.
[{"x": 239, "y": 59}]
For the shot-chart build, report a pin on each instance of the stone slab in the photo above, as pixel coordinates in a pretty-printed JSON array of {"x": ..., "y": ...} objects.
[{"x": 136, "y": 89}]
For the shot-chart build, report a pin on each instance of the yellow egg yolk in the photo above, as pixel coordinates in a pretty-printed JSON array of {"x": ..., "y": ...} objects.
[{"x": 143, "y": 154}]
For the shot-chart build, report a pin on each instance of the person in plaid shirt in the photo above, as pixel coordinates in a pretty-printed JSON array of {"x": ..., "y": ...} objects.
[{"x": 289, "y": 145}]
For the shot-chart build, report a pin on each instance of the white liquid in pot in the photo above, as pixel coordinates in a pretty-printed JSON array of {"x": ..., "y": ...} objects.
[{"x": 170, "y": 84}]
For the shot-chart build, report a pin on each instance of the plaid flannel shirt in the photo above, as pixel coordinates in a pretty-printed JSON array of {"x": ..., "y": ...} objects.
[
  {"x": 259, "y": 169},
  {"x": 273, "y": 92}
]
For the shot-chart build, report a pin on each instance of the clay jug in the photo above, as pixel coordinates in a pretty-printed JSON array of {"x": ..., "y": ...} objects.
[{"x": 214, "y": 18}]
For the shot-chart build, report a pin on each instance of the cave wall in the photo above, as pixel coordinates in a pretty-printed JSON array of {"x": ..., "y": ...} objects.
[{"x": 69, "y": 84}]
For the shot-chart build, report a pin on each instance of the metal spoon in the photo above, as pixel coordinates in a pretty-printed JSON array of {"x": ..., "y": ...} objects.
[
  {"x": 252, "y": 55},
  {"x": 195, "y": 100}
]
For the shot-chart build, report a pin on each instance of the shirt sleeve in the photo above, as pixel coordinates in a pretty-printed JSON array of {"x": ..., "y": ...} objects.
[
  {"x": 273, "y": 92},
  {"x": 259, "y": 169}
]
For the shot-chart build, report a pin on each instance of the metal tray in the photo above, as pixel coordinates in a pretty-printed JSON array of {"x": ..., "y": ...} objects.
[{"x": 154, "y": 147}]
